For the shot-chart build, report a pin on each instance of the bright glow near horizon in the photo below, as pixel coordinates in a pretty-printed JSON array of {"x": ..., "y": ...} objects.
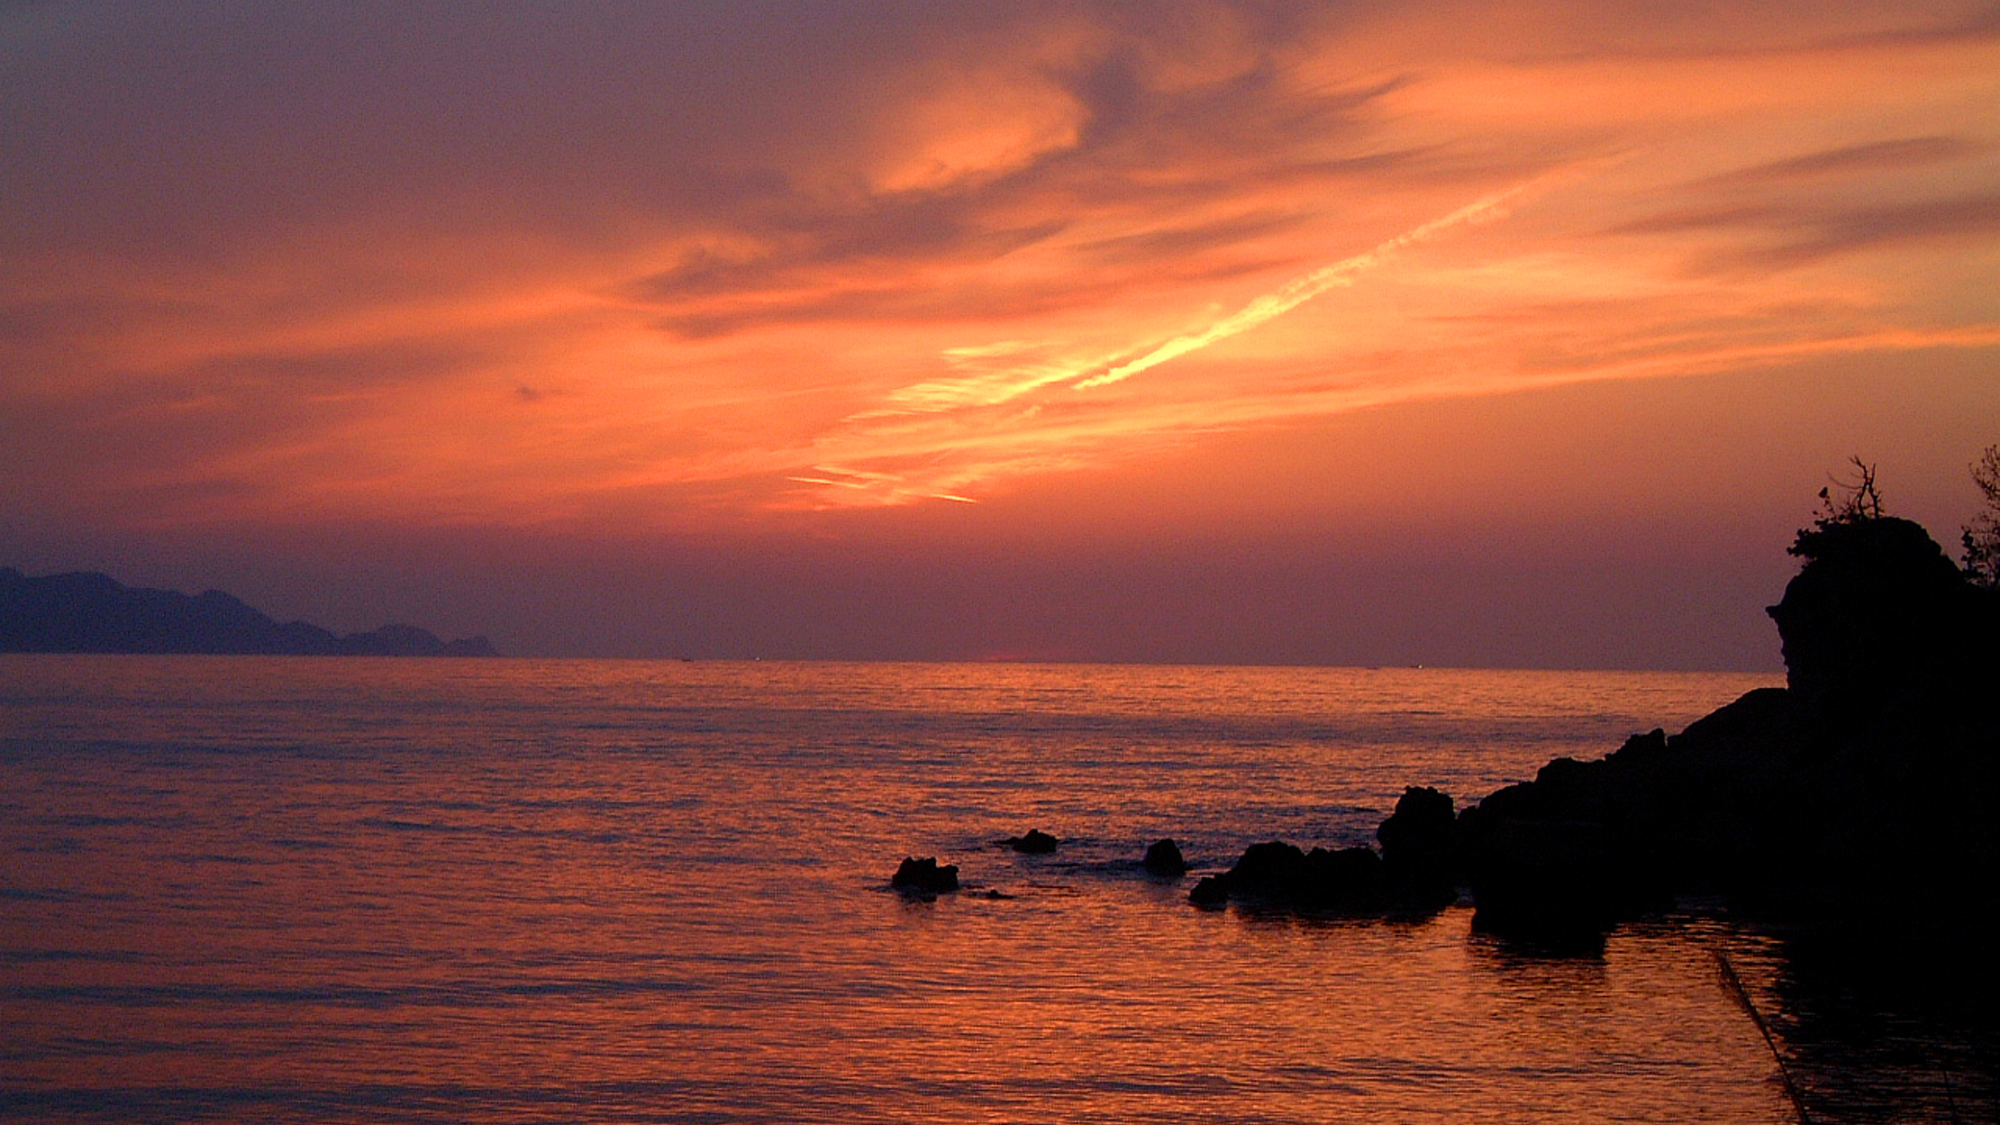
[{"x": 665, "y": 274}]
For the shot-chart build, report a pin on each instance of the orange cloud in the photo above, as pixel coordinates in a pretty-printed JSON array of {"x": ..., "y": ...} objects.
[{"x": 876, "y": 266}]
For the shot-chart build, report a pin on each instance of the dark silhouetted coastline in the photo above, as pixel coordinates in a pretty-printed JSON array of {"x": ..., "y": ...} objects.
[
  {"x": 86, "y": 612},
  {"x": 1856, "y": 794},
  {"x": 1860, "y": 788}
]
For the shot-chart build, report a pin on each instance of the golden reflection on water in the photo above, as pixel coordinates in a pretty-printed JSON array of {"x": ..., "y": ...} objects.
[{"x": 516, "y": 891}]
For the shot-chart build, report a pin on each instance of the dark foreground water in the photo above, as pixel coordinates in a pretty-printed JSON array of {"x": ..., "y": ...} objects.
[{"x": 319, "y": 890}]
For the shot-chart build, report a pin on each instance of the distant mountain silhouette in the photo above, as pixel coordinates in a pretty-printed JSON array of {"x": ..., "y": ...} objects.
[{"x": 91, "y": 612}]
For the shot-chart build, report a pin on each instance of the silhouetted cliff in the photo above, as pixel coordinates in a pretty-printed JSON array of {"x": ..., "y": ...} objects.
[
  {"x": 89, "y": 612},
  {"x": 1863, "y": 785}
]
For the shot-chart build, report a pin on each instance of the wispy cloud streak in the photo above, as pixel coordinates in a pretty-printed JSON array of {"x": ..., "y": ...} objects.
[
  {"x": 1304, "y": 288},
  {"x": 1002, "y": 372}
]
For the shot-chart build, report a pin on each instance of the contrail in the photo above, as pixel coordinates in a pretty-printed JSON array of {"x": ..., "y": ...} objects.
[{"x": 1304, "y": 288}]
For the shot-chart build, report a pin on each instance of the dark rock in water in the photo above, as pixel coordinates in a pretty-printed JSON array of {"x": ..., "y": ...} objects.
[
  {"x": 1587, "y": 843},
  {"x": 1212, "y": 890},
  {"x": 1417, "y": 839},
  {"x": 1036, "y": 842},
  {"x": 1347, "y": 878},
  {"x": 1272, "y": 870},
  {"x": 925, "y": 875},
  {"x": 1276, "y": 873},
  {"x": 1164, "y": 858},
  {"x": 1552, "y": 877}
]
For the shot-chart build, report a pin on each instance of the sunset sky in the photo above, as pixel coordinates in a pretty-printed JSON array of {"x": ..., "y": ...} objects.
[{"x": 1498, "y": 334}]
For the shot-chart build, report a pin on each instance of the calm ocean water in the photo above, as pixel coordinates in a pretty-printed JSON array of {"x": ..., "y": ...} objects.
[{"x": 331, "y": 890}]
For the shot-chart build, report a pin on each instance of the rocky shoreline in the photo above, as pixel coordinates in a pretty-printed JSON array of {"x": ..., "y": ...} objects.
[{"x": 1860, "y": 788}]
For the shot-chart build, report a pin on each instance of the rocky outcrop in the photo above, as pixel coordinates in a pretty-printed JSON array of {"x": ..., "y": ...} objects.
[
  {"x": 925, "y": 876},
  {"x": 1280, "y": 874},
  {"x": 1862, "y": 784},
  {"x": 1164, "y": 859},
  {"x": 1878, "y": 619},
  {"x": 1418, "y": 857},
  {"x": 1036, "y": 842},
  {"x": 1413, "y": 873}
]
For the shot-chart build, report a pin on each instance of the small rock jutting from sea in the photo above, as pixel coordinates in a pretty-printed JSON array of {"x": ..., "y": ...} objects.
[
  {"x": 925, "y": 876},
  {"x": 1164, "y": 859},
  {"x": 1036, "y": 842}
]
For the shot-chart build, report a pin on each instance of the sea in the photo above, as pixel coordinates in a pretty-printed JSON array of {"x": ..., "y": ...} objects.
[{"x": 323, "y": 889}]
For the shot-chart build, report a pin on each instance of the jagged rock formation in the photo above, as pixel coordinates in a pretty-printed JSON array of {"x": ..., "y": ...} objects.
[
  {"x": 1879, "y": 621},
  {"x": 1417, "y": 846},
  {"x": 925, "y": 876},
  {"x": 1281, "y": 874},
  {"x": 90, "y": 612},
  {"x": 1413, "y": 872},
  {"x": 1861, "y": 785}
]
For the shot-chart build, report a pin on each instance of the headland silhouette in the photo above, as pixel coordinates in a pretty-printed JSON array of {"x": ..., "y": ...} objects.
[{"x": 86, "y": 611}]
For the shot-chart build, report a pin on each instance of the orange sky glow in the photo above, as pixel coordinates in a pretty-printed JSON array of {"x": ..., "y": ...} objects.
[{"x": 503, "y": 292}]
